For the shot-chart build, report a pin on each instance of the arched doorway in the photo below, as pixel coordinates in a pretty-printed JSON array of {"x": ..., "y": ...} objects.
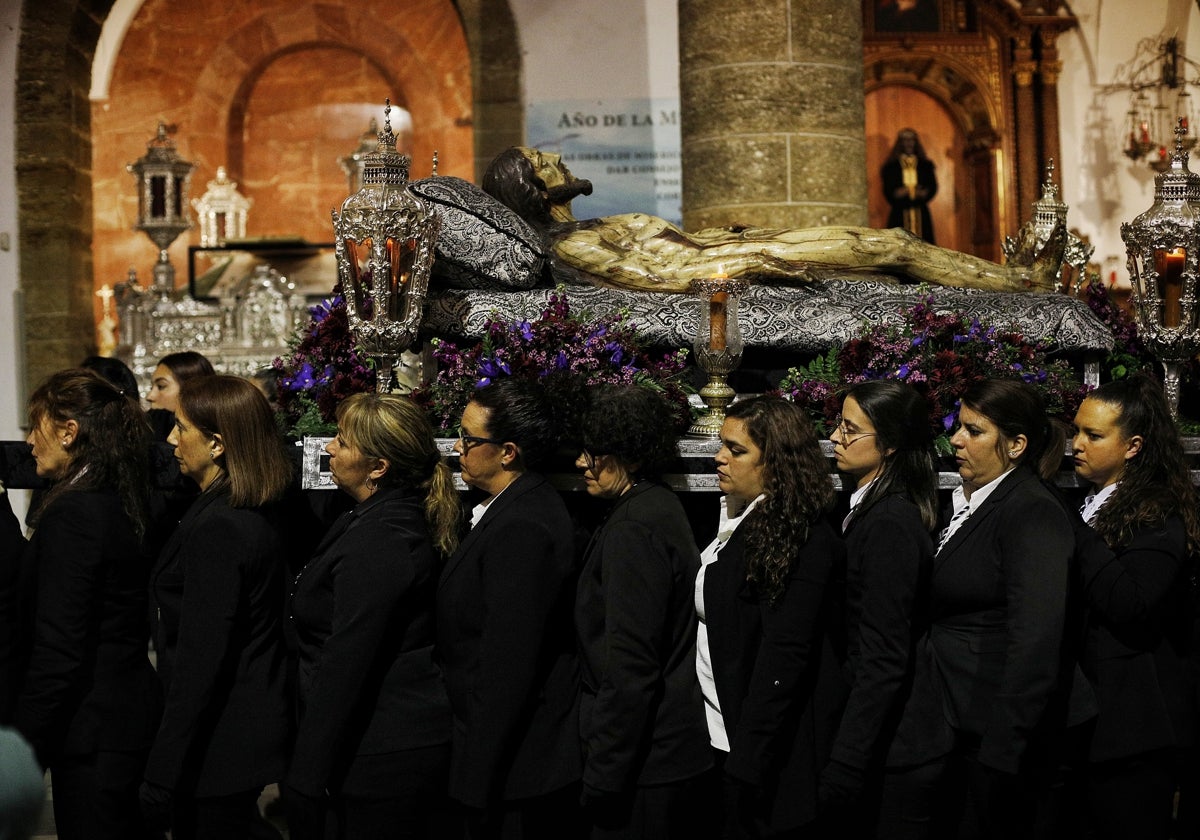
[
  {"x": 56, "y": 166},
  {"x": 955, "y": 105},
  {"x": 893, "y": 108}
]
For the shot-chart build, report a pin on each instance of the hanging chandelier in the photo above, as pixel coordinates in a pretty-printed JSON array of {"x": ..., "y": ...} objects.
[{"x": 1156, "y": 79}]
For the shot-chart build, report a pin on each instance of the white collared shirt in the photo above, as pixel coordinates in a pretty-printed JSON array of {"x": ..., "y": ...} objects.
[
  {"x": 855, "y": 500},
  {"x": 708, "y": 687},
  {"x": 978, "y": 496},
  {"x": 1093, "y": 503},
  {"x": 480, "y": 509}
]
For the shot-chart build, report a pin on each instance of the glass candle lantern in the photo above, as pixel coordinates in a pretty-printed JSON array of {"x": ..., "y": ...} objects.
[{"x": 718, "y": 346}]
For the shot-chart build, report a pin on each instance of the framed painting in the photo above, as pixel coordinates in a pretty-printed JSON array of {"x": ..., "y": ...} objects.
[{"x": 907, "y": 15}]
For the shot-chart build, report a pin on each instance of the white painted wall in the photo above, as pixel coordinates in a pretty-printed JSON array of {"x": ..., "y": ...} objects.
[
  {"x": 1102, "y": 186},
  {"x": 11, "y": 344}
]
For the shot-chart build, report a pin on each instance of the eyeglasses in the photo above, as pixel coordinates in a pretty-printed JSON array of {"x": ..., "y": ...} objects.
[
  {"x": 590, "y": 459},
  {"x": 845, "y": 437},
  {"x": 469, "y": 441}
]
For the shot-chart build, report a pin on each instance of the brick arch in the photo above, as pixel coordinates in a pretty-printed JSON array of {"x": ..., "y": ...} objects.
[
  {"x": 54, "y": 152},
  {"x": 236, "y": 112}
]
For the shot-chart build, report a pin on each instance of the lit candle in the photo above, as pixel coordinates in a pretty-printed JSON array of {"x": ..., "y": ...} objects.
[
  {"x": 718, "y": 315},
  {"x": 1169, "y": 265}
]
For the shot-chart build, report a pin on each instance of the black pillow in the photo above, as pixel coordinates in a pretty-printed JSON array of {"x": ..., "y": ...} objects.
[{"x": 482, "y": 244}]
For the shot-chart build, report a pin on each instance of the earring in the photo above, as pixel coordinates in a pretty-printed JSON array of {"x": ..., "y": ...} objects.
[{"x": 1012, "y": 454}]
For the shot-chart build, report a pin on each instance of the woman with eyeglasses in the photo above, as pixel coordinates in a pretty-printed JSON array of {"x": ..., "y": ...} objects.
[
  {"x": 885, "y": 763},
  {"x": 1000, "y": 604},
  {"x": 373, "y": 747},
  {"x": 505, "y": 635},
  {"x": 1137, "y": 581},
  {"x": 770, "y": 681},
  {"x": 641, "y": 714}
]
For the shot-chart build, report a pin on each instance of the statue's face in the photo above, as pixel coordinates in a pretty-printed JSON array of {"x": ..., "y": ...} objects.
[
  {"x": 549, "y": 167},
  {"x": 908, "y": 142}
]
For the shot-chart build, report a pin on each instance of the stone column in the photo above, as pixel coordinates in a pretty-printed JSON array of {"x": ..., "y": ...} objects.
[{"x": 771, "y": 96}]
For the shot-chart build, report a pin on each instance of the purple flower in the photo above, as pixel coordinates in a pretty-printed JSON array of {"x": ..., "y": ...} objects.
[
  {"x": 322, "y": 310},
  {"x": 948, "y": 420},
  {"x": 526, "y": 330},
  {"x": 902, "y": 372}
]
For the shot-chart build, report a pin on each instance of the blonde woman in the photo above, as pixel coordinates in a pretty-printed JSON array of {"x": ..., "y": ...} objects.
[{"x": 372, "y": 754}]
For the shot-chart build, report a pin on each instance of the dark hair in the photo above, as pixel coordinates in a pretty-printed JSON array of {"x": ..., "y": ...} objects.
[
  {"x": 796, "y": 486},
  {"x": 918, "y": 149},
  {"x": 633, "y": 424},
  {"x": 1154, "y": 482},
  {"x": 1017, "y": 409},
  {"x": 255, "y": 468},
  {"x": 116, "y": 372},
  {"x": 187, "y": 364},
  {"x": 518, "y": 413},
  {"x": 110, "y": 448},
  {"x": 395, "y": 429},
  {"x": 511, "y": 180},
  {"x": 901, "y": 420}
]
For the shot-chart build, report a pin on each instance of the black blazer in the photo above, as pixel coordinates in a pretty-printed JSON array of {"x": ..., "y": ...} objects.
[
  {"x": 1135, "y": 651},
  {"x": 1000, "y": 606},
  {"x": 889, "y": 557},
  {"x": 778, "y": 682},
  {"x": 641, "y": 715},
  {"x": 12, "y": 654},
  {"x": 506, "y": 642},
  {"x": 218, "y": 589},
  {"x": 89, "y": 685},
  {"x": 362, "y": 616}
]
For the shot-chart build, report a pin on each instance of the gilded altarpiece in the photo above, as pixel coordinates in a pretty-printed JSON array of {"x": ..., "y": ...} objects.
[{"x": 991, "y": 68}]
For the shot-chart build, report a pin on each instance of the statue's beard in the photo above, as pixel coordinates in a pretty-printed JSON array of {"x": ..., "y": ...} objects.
[{"x": 566, "y": 192}]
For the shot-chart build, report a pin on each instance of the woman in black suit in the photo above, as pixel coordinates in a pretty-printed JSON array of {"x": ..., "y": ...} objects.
[
  {"x": 771, "y": 685},
  {"x": 505, "y": 635},
  {"x": 1000, "y": 586},
  {"x": 885, "y": 764},
  {"x": 89, "y": 701},
  {"x": 372, "y": 753},
  {"x": 218, "y": 589},
  {"x": 1136, "y": 581},
  {"x": 641, "y": 714}
]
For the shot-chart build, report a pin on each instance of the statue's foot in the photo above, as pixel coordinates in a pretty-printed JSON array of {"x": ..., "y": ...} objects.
[
  {"x": 1047, "y": 266},
  {"x": 1044, "y": 265}
]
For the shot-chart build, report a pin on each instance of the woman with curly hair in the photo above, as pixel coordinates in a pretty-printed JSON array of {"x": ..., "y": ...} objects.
[
  {"x": 641, "y": 714},
  {"x": 1136, "y": 579},
  {"x": 89, "y": 701},
  {"x": 770, "y": 682},
  {"x": 372, "y": 755}
]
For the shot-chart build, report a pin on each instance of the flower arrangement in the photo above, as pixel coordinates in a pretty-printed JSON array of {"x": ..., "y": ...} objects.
[
  {"x": 569, "y": 352},
  {"x": 1129, "y": 354},
  {"x": 939, "y": 354},
  {"x": 323, "y": 369}
]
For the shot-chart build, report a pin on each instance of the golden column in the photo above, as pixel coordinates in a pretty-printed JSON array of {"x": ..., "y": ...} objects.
[
  {"x": 1028, "y": 169},
  {"x": 771, "y": 95}
]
